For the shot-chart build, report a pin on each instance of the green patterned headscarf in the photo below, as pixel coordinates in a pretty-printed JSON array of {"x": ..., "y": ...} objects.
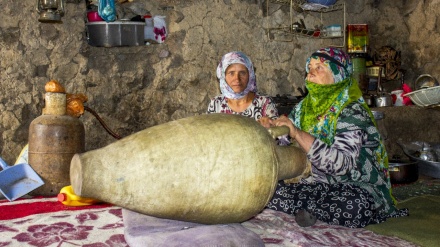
[{"x": 319, "y": 110}]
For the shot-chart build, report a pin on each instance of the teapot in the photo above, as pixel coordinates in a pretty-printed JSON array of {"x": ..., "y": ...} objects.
[{"x": 382, "y": 98}]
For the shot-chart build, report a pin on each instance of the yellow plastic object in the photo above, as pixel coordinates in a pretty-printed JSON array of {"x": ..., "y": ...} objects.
[{"x": 69, "y": 198}]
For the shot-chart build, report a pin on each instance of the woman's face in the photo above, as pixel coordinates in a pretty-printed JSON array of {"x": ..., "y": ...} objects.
[
  {"x": 237, "y": 77},
  {"x": 319, "y": 73}
]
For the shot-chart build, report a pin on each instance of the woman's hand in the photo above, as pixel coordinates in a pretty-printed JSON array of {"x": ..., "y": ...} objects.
[
  {"x": 285, "y": 121},
  {"x": 265, "y": 122},
  {"x": 304, "y": 139}
]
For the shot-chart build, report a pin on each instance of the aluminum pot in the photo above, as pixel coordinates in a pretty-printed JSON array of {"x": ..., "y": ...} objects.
[
  {"x": 383, "y": 100},
  {"x": 402, "y": 172}
]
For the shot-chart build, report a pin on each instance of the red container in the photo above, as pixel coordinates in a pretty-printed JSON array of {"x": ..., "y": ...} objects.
[{"x": 93, "y": 16}]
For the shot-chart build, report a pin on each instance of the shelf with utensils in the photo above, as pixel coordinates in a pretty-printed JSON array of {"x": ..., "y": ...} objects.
[{"x": 292, "y": 28}]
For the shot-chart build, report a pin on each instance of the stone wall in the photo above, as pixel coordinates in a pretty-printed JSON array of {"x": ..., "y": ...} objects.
[{"x": 133, "y": 88}]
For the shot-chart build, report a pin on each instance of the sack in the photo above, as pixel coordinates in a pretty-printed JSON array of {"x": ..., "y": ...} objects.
[{"x": 160, "y": 29}]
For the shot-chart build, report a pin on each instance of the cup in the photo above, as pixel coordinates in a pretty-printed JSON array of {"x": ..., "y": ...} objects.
[{"x": 397, "y": 96}]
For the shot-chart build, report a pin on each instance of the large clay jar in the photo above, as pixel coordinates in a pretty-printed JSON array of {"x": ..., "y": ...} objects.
[{"x": 214, "y": 168}]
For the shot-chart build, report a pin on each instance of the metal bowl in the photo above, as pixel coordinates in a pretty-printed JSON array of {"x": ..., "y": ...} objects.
[
  {"x": 427, "y": 168},
  {"x": 425, "y": 81}
]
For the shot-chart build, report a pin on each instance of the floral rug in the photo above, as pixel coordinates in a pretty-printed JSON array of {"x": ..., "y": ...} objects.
[{"x": 46, "y": 222}]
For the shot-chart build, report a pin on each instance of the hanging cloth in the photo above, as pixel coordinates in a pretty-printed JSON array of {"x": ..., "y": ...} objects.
[{"x": 107, "y": 10}]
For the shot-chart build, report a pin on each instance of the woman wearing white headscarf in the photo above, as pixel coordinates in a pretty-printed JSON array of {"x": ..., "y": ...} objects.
[
  {"x": 239, "y": 90},
  {"x": 239, "y": 96}
]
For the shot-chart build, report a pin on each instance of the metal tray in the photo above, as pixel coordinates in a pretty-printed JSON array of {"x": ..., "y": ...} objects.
[{"x": 427, "y": 168}]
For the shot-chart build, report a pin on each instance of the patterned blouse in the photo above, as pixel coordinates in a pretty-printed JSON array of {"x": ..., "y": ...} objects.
[{"x": 262, "y": 106}]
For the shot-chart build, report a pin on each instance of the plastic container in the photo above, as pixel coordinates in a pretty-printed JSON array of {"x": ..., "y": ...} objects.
[
  {"x": 93, "y": 16},
  {"x": 323, "y": 2},
  {"x": 149, "y": 28},
  {"x": 333, "y": 31},
  {"x": 68, "y": 197}
]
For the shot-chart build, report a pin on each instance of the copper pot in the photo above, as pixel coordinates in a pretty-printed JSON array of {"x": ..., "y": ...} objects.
[{"x": 402, "y": 172}]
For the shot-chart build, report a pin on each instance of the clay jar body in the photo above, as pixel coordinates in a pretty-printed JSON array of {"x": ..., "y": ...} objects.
[
  {"x": 54, "y": 138},
  {"x": 212, "y": 169}
]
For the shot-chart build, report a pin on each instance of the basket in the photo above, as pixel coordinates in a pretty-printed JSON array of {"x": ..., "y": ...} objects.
[{"x": 426, "y": 96}]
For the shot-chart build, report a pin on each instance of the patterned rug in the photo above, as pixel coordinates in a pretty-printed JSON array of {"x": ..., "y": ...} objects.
[{"x": 45, "y": 222}]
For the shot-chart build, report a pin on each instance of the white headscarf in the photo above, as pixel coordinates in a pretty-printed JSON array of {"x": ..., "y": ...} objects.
[{"x": 231, "y": 58}]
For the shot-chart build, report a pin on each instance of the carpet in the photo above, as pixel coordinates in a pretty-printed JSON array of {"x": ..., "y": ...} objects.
[
  {"x": 46, "y": 222},
  {"x": 421, "y": 227}
]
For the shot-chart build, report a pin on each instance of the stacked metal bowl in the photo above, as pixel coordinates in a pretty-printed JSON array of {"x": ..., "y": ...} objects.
[{"x": 427, "y": 93}]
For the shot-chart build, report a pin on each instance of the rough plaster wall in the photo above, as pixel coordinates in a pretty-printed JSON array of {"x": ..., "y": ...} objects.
[{"x": 133, "y": 88}]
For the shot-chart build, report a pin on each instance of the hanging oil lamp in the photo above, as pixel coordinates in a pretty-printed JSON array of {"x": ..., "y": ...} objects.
[{"x": 50, "y": 10}]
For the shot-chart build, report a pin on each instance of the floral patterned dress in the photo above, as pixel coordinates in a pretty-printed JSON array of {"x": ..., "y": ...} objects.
[{"x": 262, "y": 106}]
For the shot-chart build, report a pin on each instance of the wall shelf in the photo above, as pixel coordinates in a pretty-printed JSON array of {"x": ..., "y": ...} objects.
[{"x": 292, "y": 28}]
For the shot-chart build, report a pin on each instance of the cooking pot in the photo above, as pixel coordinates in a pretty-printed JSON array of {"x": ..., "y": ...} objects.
[
  {"x": 383, "y": 99},
  {"x": 402, "y": 172}
]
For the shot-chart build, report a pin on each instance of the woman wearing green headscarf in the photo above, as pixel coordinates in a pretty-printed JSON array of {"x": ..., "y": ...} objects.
[{"x": 349, "y": 184}]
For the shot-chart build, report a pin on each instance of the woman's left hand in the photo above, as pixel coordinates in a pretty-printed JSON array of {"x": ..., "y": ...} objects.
[{"x": 265, "y": 122}]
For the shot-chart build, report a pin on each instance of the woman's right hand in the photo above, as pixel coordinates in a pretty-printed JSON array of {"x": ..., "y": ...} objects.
[
  {"x": 304, "y": 139},
  {"x": 285, "y": 121}
]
